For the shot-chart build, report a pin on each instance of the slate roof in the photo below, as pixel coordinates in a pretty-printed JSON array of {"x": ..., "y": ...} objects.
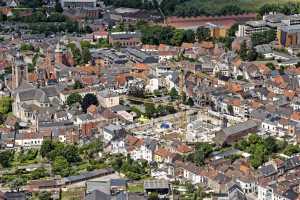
[
  {"x": 156, "y": 184},
  {"x": 292, "y": 162},
  {"x": 41, "y": 94},
  {"x": 267, "y": 170},
  {"x": 240, "y": 127},
  {"x": 97, "y": 195}
]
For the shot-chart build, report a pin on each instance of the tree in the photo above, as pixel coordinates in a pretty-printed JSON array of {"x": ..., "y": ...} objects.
[
  {"x": 5, "y": 105},
  {"x": 252, "y": 55},
  {"x": 86, "y": 55},
  {"x": 26, "y": 47},
  {"x": 243, "y": 50},
  {"x": 203, "y": 34},
  {"x": 89, "y": 150},
  {"x": 39, "y": 173},
  {"x": 189, "y": 187},
  {"x": 6, "y": 158},
  {"x": 74, "y": 98},
  {"x": 77, "y": 85},
  {"x": 189, "y": 36},
  {"x": 58, "y": 7},
  {"x": 199, "y": 157},
  {"x": 270, "y": 144},
  {"x": 264, "y": 37},
  {"x": 44, "y": 195},
  {"x": 89, "y": 99},
  {"x": 46, "y": 148},
  {"x": 270, "y": 66},
  {"x": 291, "y": 149},
  {"x": 190, "y": 101},
  {"x": 16, "y": 184},
  {"x": 153, "y": 196},
  {"x": 174, "y": 93},
  {"x": 150, "y": 109},
  {"x": 177, "y": 38},
  {"x": 61, "y": 166},
  {"x": 70, "y": 153},
  {"x": 230, "y": 109}
]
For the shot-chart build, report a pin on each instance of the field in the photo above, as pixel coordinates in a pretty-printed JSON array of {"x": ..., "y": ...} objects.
[{"x": 244, "y": 4}]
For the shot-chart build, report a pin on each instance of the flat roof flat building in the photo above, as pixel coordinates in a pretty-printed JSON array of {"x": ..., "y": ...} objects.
[{"x": 78, "y": 3}]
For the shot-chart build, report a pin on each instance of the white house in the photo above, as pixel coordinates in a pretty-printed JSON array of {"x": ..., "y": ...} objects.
[
  {"x": 28, "y": 140},
  {"x": 152, "y": 85},
  {"x": 108, "y": 99},
  {"x": 145, "y": 151},
  {"x": 268, "y": 193}
]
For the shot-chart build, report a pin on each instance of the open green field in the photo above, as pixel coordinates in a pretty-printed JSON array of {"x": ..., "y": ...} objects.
[{"x": 252, "y": 5}]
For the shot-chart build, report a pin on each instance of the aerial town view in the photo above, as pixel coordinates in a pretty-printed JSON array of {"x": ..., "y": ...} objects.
[{"x": 149, "y": 99}]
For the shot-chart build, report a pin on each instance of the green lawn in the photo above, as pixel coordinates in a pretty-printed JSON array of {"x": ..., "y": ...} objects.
[{"x": 135, "y": 188}]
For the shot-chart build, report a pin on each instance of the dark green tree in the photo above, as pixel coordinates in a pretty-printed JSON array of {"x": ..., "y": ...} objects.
[
  {"x": 243, "y": 51},
  {"x": 74, "y": 98},
  {"x": 89, "y": 99},
  {"x": 86, "y": 55},
  {"x": 174, "y": 94},
  {"x": 190, "y": 101},
  {"x": 6, "y": 157},
  {"x": 150, "y": 109},
  {"x": 203, "y": 34},
  {"x": 77, "y": 85},
  {"x": 44, "y": 195},
  {"x": 46, "y": 148},
  {"x": 39, "y": 173},
  {"x": 189, "y": 36},
  {"x": 271, "y": 66}
]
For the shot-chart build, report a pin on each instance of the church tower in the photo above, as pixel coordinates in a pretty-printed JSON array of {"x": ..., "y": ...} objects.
[
  {"x": 50, "y": 70},
  {"x": 58, "y": 54},
  {"x": 19, "y": 71}
]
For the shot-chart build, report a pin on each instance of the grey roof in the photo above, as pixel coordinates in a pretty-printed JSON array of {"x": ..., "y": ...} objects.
[
  {"x": 40, "y": 94},
  {"x": 236, "y": 193},
  {"x": 88, "y": 175},
  {"x": 292, "y": 163},
  {"x": 107, "y": 93},
  {"x": 156, "y": 184},
  {"x": 240, "y": 127},
  {"x": 85, "y": 117},
  {"x": 256, "y": 23},
  {"x": 97, "y": 195},
  {"x": 150, "y": 144},
  {"x": 111, "y": 128},
  {"x": 267, "y": 170},
  {"x": 264, "y": 48},
  {"x": 118, "y": 182},
  {"x": 103, "y": 186}
]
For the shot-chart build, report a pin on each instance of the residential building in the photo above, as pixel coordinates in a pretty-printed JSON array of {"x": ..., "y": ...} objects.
[
  {"x": 128, "y": 39},
  {"x": 108, "y": 99}
]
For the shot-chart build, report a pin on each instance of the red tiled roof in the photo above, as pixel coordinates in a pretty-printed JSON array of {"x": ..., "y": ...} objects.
[{"x": 183, "y": 148}]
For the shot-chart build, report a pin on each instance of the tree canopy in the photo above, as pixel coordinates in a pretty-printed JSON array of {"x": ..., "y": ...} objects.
[
  {"x": 74, "y": 98},
  {"x": 89, "y": 99}
]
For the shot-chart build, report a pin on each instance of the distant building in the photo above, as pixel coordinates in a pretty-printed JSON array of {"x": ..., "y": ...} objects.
[
  {"x": 138, "y": 56},
  {"x": 125, "y": 39},
  {"x": 288, "y": 33},
  {"x": 234, "y": 133},
  {"x": 78, "y": 3},
  {"x": 108, "y": 99}
]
